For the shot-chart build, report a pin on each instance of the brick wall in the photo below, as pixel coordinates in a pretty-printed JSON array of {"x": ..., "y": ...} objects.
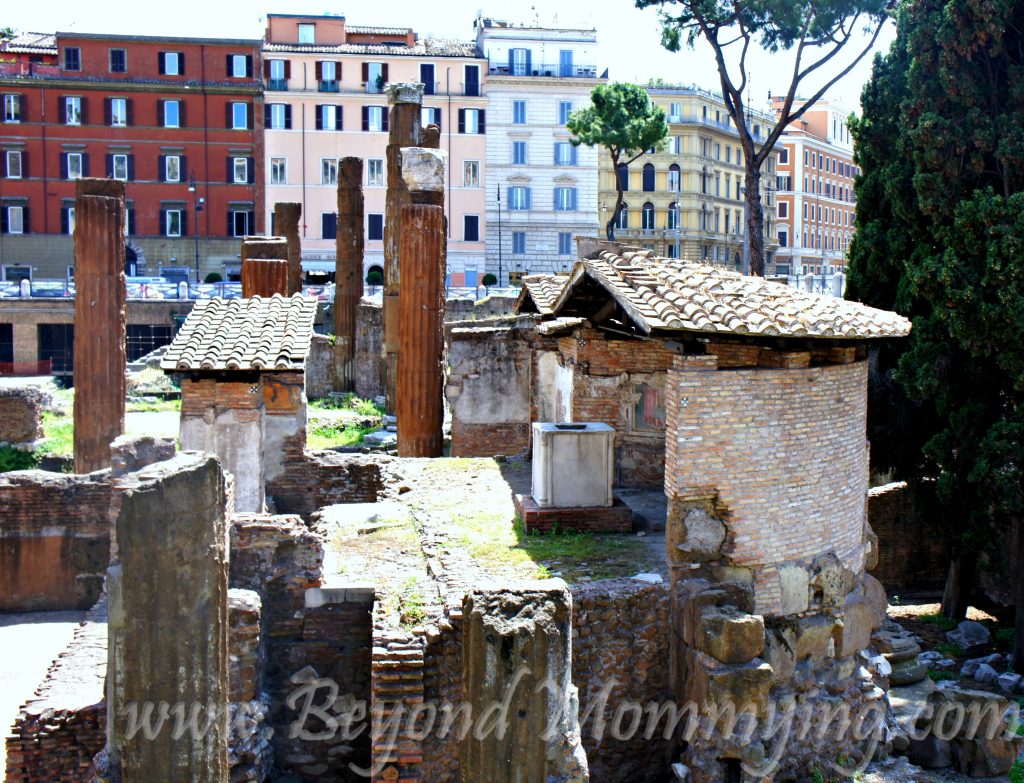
[
  {"x": 21, "y": 415},
  {"x": 782, "y": 451},
  {"x": 314, "y": 479},
  {"x": 396, "y": 688},
  {"x": 621, "y": 632},
  {"x": 910, "y": 554},
  {"x": 54, "y": 539}
]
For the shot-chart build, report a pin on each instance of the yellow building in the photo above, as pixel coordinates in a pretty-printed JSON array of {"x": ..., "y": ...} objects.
[{"x": 686, "y": 201}]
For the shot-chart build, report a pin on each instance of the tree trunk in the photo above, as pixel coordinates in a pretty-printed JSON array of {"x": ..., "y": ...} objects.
[
  {"x": 755, "y": 221},
  {"x": 960, "y": 583},
  {"x": 610, "y": 228}
]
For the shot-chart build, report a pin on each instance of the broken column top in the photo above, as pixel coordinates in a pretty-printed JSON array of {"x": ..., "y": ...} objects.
[
  {"x": 423, "y": 169},
  {"x": 97, "y": 186},
  {"x": 275, "y": 248},
  {"x": 405, "y": 92}
]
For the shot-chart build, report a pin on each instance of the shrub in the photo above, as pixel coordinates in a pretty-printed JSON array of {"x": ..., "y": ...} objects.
[
  {"x": 489, "y": 280},
  {"x": 374, "y": 277},
  {"x": 213, "y": 277}
]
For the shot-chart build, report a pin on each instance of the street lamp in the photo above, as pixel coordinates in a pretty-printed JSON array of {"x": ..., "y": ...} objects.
[{"x": 197, "y": 207}]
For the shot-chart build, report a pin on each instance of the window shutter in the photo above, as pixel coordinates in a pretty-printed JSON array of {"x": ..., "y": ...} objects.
[
  {"x": 85, "y": 164},
  {"x": 24, "y": 164},
  {"x": 384, "y": 72},
  {"x": 572, "y": 154},
  {"x": 181, "y": 63},
  {"x": 161, "y": 63},
  {"x": 229, "y": 169},
  {"x": 529, "y": 194},
  {"x": 25, "y": 229},
  {"x": 227, "y": 67},
  {"x": 161, "y": 114},
  {"x": 3, "y": 165},
  {"x": 184, "y": 222},
  {"x": 131, "y": 167},
  {"x": 129, "y": 111},
  {"x": 482, "y": 125},
  {"x": 366, "y": 72},
  {"x": 3, "y": 220},
  {"x": 23, "y": 109},
  {"x": 319, "y": 117},
  {"x": 266, "y": 115},
  {"x": 288, "y": 116},
  {"x": 108, "y": 114},
  {"x": 84, "y": 102},
  {"x": 337, "y": 70},
  {"x": 130, "y": 214},
  {"x": 231, "y": 223},
  {"x": 462, "y": 120},
  {"x": 287, "y": 69},
  {"x": 385, "y": 119},
  {"x": 62, "y": 109},
  {"x": 556, "y": 153},
  {"x": 529, "y": 61},
  {"x": 366, "y": 116},
  {"x": 183, "y": 168},
  {"x": 63, "y": 165},
  {"x": 266, "y": 69},
  {"x": 319, "y": 71},
  {"x": 182, "y": 122},
  {"x": 248, "y": 66},
  {"x": 65, "y": 220},
  {"x": 161, "y": 174},
  {"x": 511, "y": 59},
  {"x": 572, "y": 199},
  {"x": 251, "y": 170},
  {"x": 248, "y": 116},
  {"x": 110, "y": 166},
  {"x": 338, "y": 124},
  {"x": 227, "y": 115}
]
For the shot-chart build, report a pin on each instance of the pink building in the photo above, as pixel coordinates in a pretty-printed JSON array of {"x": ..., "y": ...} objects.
[{"x": 325, "y": 100}]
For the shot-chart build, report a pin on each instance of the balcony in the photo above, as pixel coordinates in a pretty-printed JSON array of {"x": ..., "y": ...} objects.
[
  {"x": 328, "y": 86},
  {"x": 29, "y": 69},
  {"x": 277, "y": 85},
  {"x": 554, "y": 70}
]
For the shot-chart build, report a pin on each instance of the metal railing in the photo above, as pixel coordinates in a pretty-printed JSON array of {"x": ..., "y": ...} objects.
[{"x": 561, "y": 70}]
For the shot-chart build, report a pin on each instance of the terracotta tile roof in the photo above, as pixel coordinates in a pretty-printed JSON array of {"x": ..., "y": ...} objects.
[
  {"x": 428, "y": 47},
  {"x": 31, "y": 43},
  {"x": 259, "y": 333},
  {"x": 541, "y": 291},
  {"x": 662, "y": 294}
]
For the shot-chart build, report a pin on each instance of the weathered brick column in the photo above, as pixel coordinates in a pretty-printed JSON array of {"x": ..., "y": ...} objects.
[
  {"x": 265, "y": 266},
  {"x": 348, "y": 275},
  {"x": 168, "y": 623},
  {"x": 100, "y": 320},
  {"x": 406, "y": 101},
  {"x": 286, "y": 224},
  {"x": 420, "y": 398}
]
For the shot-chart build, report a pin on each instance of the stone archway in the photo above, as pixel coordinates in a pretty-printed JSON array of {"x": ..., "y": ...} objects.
[{"x": 133, "y": 254}]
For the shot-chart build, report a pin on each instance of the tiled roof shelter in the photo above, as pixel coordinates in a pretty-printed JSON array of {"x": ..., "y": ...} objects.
[
  {"x": 260, "y": 333},
  {"x": 671, "y": 295},
  {"x": 540, "y": 292}
]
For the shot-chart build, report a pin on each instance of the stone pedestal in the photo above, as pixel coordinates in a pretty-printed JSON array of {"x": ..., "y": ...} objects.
[{"x": 573, "y": 464}]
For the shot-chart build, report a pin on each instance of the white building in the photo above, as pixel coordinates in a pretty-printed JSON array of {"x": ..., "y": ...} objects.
[{"x": 541, "y": 191}]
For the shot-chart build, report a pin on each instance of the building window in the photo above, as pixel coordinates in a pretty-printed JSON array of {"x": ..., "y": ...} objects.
[
  {"x": 329, "y": 171},
  {"x": 72, "y": 106},
  {"x": 172, "y": 222},
  {"x": 675, "y": 178},
  {"x": 471, "y": 228},
  {"x": 280, "y": 115},
  {"x": 328, "y": 78},
  {"x": 119, "y": 167},
  {"x": 172, "y": 114},
  {"x": 783, "y": 209},
  {"x": 564, "y": 243},
  {"x": 375, "y": 76},
  {"x": 328, "y": 225},
  {"x": 72, "y": 58},
  {"x": 375, "y": 172},
  {"x": 675, "y": 145},
  {"x": 565, "y": 63},
  {"x": 118, "y": 112},
  {"x": 430, "y": 115},
  {"x": 240, "y": 171},
  {"x": 623, "y": 217},
  {"x": 472, "y": 86},
  {"x": 12, "y": 108},
  {"x": 519, "y": 243},
  {"x": 75, "y": 165},
  {"x": 784, "y": 155},
  {"x": 240, "y": 66},
  {"x": 675, "y": 112},
  {"x": 471, "y": 120},
  {"x": 623, "y": 177},
  {"x": 471, "y": 174},
  {"x": 648, "y": 177},
  {"x": 307, "y": 33},
  {"x": 564, "y": 110},
  {"x": 519, "y": 62},
  {"x": 67, "y": 219},
  {"x": 170, "y": 63},
  {"x": 427, "y": 78},
  {"x": 518, "y": 112},
  {"x": 172, "y": 168},
  {"x": 118, "y": 61},
  {"x": 375, "y": 119},
  {"x": 565, "y": 154},
  {"x": 241, "y": 222},
  {"x": 12, "y": 164},
  {"x": 673, "y": 217},
  {"x": 518, "y": 198},
  {"x": 647, "y": 216},
  {"x": 239, "y": 116},
  {"x": 375, "y": 226},
  {"x": 15, "y": 223},
  {"x": 328, "y": 117},
  {"x": 519, "y": 153},
  {"x": 565, "y": 199},
  {"x": 278, "y": 171}
]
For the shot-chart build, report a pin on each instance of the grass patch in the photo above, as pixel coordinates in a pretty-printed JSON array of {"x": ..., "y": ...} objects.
[
  {"x": 945, "y": 623},
  {"x": 348, "y": 402},
  {"x": 329, "y": 435},
  {"x": 58, "y": 431},
  {"x": 16, "y": 459},
  {"x": 938, "y": 676},
  {"x": 949, "y": 649},
  {"x": 157, "y": 406}
]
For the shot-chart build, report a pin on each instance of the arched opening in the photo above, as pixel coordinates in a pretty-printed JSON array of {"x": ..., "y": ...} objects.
[
  {"x": 647, "y": 216},
  {"x": 673, "y": 216},
  {"x": 624, "y": 216},
  {"x": 375, "y": 275},
  {"x": 675, "y": 178},
  {"x": 131, "y": 262},
  {"x": 624, "y": 176},
  {"x": 648, "y": 177}
]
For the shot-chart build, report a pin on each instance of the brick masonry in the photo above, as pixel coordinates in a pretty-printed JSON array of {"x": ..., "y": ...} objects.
[
  {"x": 910, "y": 554},
  {"x": 54, "y": 539},
  {"x": 314, "y": 479},
  {"x": 21, "y": 415},
  {"x": 770, "y": 465},
  {"x": 617, "y": 518}
]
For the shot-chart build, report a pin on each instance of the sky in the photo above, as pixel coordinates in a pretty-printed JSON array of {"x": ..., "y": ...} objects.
[{"x": 628, "y": 38}]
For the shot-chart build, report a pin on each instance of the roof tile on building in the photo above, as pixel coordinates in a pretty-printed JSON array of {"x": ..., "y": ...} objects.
[
  {"x": 428, "y": 47},
  {"x": 30, "y": 43},
  {"x": 663, "y": 294},
  {"x": 258, "y": 333},
  {"x": 543, "y": 290}
]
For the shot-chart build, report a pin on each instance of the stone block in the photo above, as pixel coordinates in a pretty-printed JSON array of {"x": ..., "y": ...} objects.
[
  {"x": 930, "y": 752},
  {"x": 573, "y": 465},
  {"x": 746, "y": 686},
  {"x": 131, "y": 453},
  {"x": 794, "y": 586},
  {"x": 831, "y": 581},
  {"x": 854, "y": 628},
  {"x": 731, "y": 636},
  {"x": 972, "y": 636},
  {"x": 814, "y": 637},
  {"x": 780, "y": 650},
  {"x": 423, "y": 169},
  {"x": 692, "y": 534}
]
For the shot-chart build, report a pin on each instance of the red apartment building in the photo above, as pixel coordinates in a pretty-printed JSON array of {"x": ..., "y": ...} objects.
[{"x": 178, "y": 119}]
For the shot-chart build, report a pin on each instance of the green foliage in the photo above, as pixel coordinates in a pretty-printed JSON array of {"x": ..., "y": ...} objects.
[
  {"x": 213, "y": 277},
  {"x": 374, "y": 277},
  {"x": 945, "y": 623},
  {"x": 936, "y": 675},
  {"x": 1004, "y": 635},
  {"x": 489, "y": 280},
  {"x": 58, "y": 431},
  {"x": 622, "y": 119},
  {"x": 940, "y": 238},
  {"x": 949, "y": 649},
  {"x": 349, "y": 402},
  {"x": 1017, "y": 772},
  {"x": 16, "y": 459}
]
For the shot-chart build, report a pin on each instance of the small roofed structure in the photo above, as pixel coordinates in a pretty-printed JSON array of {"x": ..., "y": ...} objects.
[
  {"x": 242, "y": 363},
  {"x": 539, "y": 294}
]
